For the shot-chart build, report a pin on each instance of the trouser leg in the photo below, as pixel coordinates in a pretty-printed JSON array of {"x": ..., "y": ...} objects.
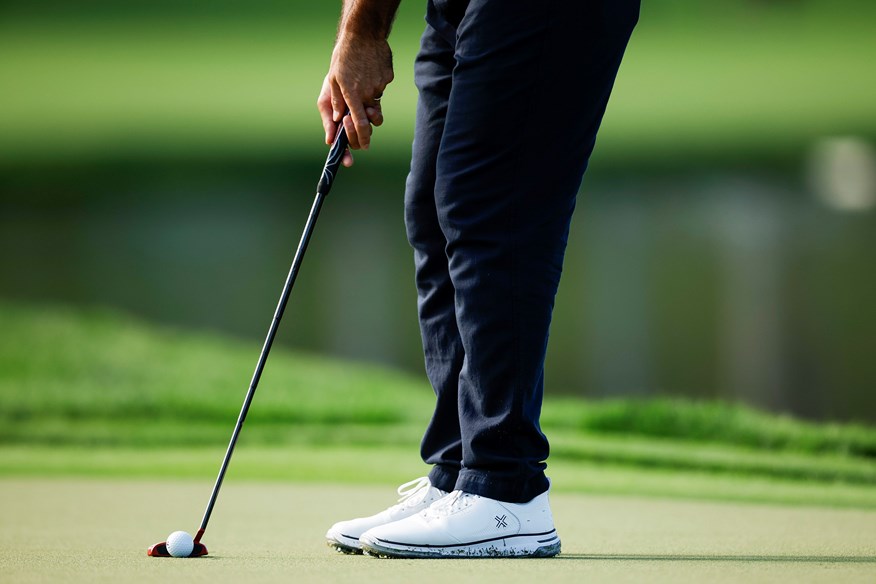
[
  {"x": 442, "y": 346},
  {"x": 528, "y": 90}
]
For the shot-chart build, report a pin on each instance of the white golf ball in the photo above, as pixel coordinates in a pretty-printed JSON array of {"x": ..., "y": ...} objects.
[{"x": 180, "y": 544}]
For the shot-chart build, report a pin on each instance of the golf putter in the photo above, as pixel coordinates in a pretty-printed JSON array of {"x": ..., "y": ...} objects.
[{"x": 329, "y": 171}]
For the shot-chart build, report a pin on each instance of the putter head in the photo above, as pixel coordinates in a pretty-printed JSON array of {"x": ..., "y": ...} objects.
[{"x": 159, "y": 550}]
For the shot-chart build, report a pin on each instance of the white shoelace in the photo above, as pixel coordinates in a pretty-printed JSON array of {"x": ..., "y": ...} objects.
[
  {"x": 408, "y": 492},
  {"x": 452, "y": 502}
]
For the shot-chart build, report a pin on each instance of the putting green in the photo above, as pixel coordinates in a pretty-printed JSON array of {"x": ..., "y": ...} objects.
[{"x": 77, "y": 530}]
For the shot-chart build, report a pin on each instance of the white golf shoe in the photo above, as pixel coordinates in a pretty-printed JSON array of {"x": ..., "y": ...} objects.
[
  {"x": 466, "y": 525},
  {"x": 414, "y": 496}
]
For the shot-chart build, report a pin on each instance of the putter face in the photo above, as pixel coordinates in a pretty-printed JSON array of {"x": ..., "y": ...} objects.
[{"x": 159, "y": 550}]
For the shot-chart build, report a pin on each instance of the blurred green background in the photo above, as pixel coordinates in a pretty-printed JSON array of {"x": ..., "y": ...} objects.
[{"x": 158, "y": 159}]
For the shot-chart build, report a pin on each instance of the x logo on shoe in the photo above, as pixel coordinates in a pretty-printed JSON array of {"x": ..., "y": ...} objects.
[{"x": 500, "y": 521}]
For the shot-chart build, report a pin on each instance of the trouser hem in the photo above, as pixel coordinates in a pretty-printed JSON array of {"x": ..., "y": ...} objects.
[
  {"x": 509, "y": 490},
  {"x": 443, "y": 478}
]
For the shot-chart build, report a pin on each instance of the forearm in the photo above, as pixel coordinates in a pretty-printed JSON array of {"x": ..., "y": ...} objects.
[{"x": 368, "y": 18}]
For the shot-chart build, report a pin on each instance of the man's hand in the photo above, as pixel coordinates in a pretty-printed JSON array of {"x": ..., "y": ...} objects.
[{"x": 360, "y": 70}]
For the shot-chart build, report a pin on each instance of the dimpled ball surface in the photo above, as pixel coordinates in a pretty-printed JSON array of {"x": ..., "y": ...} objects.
[{"x": 180, "y": 544}]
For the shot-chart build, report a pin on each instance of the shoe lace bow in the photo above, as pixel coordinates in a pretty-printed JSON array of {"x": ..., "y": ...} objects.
[{"x": 408, "y": 490}]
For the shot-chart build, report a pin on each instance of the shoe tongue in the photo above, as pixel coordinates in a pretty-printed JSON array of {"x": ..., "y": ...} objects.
[{"x": 416, "y": 498}]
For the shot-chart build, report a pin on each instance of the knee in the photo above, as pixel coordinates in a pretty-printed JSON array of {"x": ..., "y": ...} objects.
[{"x": 421, "y": 220}]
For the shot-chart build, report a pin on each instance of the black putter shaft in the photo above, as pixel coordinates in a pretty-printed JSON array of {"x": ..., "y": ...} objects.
[{"x": 332, "y": 164}]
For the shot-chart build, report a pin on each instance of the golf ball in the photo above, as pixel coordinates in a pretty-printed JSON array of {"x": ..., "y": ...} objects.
[{"x": 180, "y": 544}]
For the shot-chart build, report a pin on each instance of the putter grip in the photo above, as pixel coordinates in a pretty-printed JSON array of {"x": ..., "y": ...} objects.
[{"x": 333, "y": 162}]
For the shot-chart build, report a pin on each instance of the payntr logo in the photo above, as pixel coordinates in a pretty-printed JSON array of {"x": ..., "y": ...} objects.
[{"x": 500, "y": 521}]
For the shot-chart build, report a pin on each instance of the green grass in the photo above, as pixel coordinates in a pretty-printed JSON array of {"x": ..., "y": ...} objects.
[
  {"x": 390, "y": 465},
  {"x": 709, "y": 421},
  {"x": 78, "y": 387},
  {"x": 731, "y": 82},
  {"x": 121, "y": 382}
]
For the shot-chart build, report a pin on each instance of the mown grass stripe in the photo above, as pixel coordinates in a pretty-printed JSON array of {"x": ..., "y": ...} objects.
[{"x": 98, "y": 379}]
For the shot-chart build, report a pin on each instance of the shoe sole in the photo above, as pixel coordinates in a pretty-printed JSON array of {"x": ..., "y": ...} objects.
[
  {"x": 343, "y": 544},
  {"x": 538, "y": 545}
]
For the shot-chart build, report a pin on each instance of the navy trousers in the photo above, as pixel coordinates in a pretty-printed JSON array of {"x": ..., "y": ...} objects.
[{"x": 511, "y": 94}]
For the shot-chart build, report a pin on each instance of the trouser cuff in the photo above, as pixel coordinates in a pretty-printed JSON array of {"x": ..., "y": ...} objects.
[
  {"x": 507, "y": 489},
  {"x": 443, "y": 478}
]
